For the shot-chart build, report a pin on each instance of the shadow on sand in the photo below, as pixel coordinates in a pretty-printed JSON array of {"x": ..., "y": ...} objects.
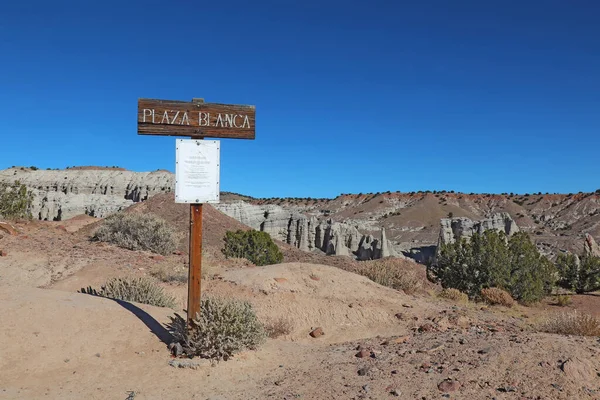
[{"x": 155, "y": 327}]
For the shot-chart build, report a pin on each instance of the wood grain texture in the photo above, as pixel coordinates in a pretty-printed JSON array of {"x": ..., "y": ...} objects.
[
  {"x": 195, "y": 119},
  {"x": 195, "y": 272}
]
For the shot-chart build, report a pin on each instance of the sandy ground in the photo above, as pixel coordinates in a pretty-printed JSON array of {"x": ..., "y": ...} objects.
[{"x": 59, "y": 344}]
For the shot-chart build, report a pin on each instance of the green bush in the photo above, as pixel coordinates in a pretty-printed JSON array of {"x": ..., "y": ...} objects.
[
  {"x": 223, "y": 328},
  {"x": 491, "y": 260},
  {"x": 138, "y": 232},
  {"x": 580, "y": 274},
  {"x": 255, "y": 246},
  {"x": 15, "y": 200},
  {"x": 139, "y": 290}
]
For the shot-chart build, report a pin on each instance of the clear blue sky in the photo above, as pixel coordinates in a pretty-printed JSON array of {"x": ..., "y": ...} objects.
[{"x": 473, "y": 96}]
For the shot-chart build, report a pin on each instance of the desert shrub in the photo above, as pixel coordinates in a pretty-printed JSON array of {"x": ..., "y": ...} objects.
[
  {"x": 563, "y": 300},
  {"x": 255, "y": 246},
  {"x": 571, "y": 323},
  {"x": 492, "y": 260},
  {"x": 387, "y": 273},
  {"x": 223, "y": 328},
  {"x": 277, "y": 327},
  {"x": 495, "y": 296},
  {"x": 454, "y": 294},
  {"x": 580, "y": 274},
  {"x": 140, "y": 290},
  {"x": 15, "y": 201},
  {"x": 138, "y": 232}
]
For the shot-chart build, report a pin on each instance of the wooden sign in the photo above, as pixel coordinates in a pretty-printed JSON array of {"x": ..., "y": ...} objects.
[{"x": 195, "y": 119}]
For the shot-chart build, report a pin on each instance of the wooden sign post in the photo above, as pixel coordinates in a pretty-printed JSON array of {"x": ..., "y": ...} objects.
[{"x": 195, "y": 181}]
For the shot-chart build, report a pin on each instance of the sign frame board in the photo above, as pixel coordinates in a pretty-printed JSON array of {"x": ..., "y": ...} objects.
[
  {"x": 195, "y": 119},
  {"x": 197, "y": 171}
]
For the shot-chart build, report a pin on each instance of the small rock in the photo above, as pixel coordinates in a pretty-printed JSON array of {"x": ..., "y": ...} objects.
[
  {"x": 317, "y": 332},
  {"x": 507, "y": 389},
  {"x": 366, "y": 388},
  {"x": 579, "y": 370},
  {"x": 485, "y": 350},
  {"x": 280, "y": 280},
  {"x": 3, "y": 253},
  {"x": 176, "y": 349},
  {"x": 363, "y": 371},
  {"x": 395, "y": 372},
  {"x": 426, "y": 328},
  {"x": 407, "y": 305},
  {"x": 448, "y": 386},
  {"x": 462, "y": 341},
  {"x": 557, "y": 387},
  {"x": 402, "y": 339},
  {"x": 363, "y": 353},
  {"x": 395, "y": 392}
]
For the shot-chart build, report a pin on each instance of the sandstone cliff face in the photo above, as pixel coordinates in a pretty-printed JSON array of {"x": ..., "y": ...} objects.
[
  {"x": 309, "y": 233},
  {"x": 62, "y": 194},
  {"x": 453, "y": 229}
]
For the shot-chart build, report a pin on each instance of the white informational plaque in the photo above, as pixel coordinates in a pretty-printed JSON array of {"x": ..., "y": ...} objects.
[{"x": 197, "y": 166}]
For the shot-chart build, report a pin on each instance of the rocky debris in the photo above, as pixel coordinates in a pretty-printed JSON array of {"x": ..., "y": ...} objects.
[
  {"x": 454, "y": 229},
  {"x": 191, "y": 364},
  {"x": 318, "y": 332},
  {"x": 62, "y": 194},
  {"x": 590, "y": 247},
  {"x": 3, "y": 253}
]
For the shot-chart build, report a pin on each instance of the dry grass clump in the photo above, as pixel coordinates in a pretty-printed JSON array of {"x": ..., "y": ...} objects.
[
  {"x": 138, "y": 232},
  {"x": 169, "y": 274},
  {"x": 277, "y": 327},
  {"x": 390, "y": 274},
  {"x": 454, "y": 294},
  {"x": 140, "y": 290},
  {"x": 563, "y": 300},
  {"x": 497, "y": 296},
  {"x": 571, "y": 323},
  {"x": 223, "y": 328}
]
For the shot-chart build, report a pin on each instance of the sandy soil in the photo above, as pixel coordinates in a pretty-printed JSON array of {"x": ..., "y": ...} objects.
[{"x": 59, "y": 344}]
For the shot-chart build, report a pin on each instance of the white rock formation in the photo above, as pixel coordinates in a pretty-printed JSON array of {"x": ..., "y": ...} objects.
[
  {"x": 62, "y": 194},
  {"x": 453, "y": 229},
  {"x": 309, "y": 233}
]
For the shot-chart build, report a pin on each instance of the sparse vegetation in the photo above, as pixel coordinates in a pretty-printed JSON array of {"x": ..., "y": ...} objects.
[
  {"x": 492, "y": 260},
  {"x": 454, "y": 295},
  {"x": 223, "y": 328},
  {"x": 390, "y": 274},
  {"x": 138, "y": 232},
  {"x": 139, "y": 290},
  {"x": 173, "y": 275},
  {"x": 15, "y": 201},
  {"x": 571, "y": 323},
  {"x": 277, "y": 327},
  {"x": 495, "y": 296},
  {"x": 255, "y": 246}
]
